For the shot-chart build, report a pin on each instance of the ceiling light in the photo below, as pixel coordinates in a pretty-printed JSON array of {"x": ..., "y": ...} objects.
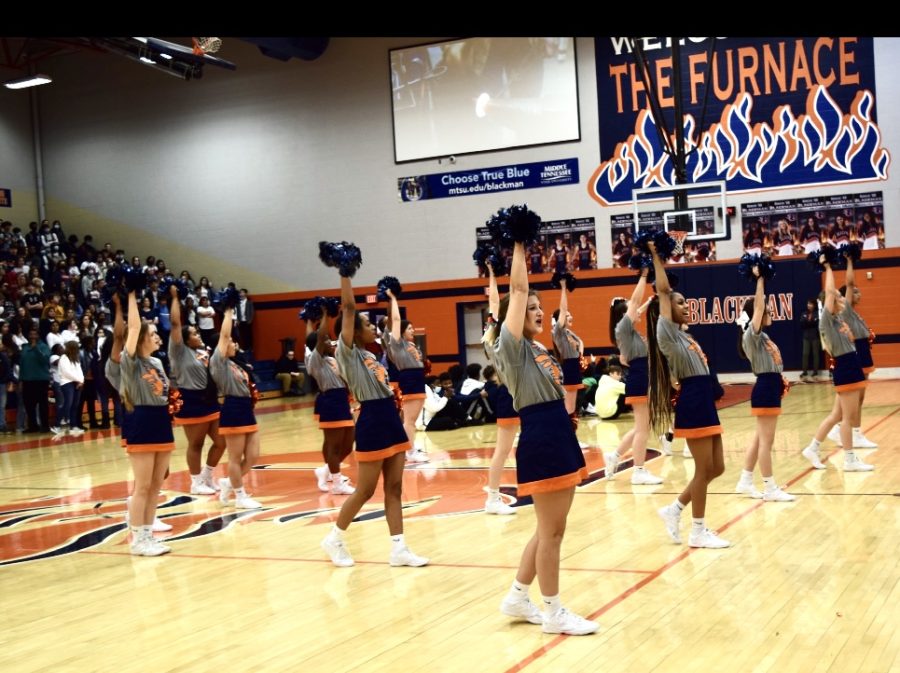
[{"x": 25, "y": 82}]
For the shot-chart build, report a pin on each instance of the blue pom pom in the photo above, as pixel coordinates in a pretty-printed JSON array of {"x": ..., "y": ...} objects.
[
  {"x": 832, "y": 256},
  {"x": 851, "y": 251},
  {"x": 312, "y": 309},
  {"x": 496, "y": 224},
  {"x": 521, "y": 225},
  {"x": 665, "y": 244},
  {"x": 558, "y": 277},
  {"x": 344, "y": 256},
  {"x": 228, "y": 298},
  {"x": 489, "y": 254},
  {"x": 385, "y": 284},
  {"x": 332, "y": 306},
  {"x": 114, "y": 276},
  {"x": 480, "y": 255},
  {"x": 643, "y": 237},
  {"x": 762, "y": 262},
  {"x": 135, "y": 278}
]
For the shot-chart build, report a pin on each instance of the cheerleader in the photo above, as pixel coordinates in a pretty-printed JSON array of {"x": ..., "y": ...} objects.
[
  {"x": 868, "y": 232},
  {"x": 507, "y": 418},
  {"x": 200, "y": 411},
  {"x": 549, "y": 461},
  {"x": 381, "y": 440},
  {"x": 861, "y": 336},
  {"x": 840, "y": 232},
  {"x": 333, "y": 412},
  {"x": 623, "y": 315},
  {"x": 765, "y": 400},
  {"x": 569, "y": 348},
  {"x": 145, "y": 393},
  {"x": 237, "y": 423},
  {"x": 848, "y": 377},
  {"x": 673, "y": 353},
  {"x": 399, "y": 340}
]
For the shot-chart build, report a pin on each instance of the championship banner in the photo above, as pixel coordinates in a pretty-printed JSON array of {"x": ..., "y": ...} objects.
[
  {"x": 622, "y": 236},
  {"x": 489, "y": 180},
  {"x": 801, "y": 226},
  {"x": 781, "y": 112},
  {"x": 561, "y": 245}
]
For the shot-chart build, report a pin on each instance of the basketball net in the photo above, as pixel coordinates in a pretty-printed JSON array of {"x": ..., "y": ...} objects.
[
  {"x": 206, "y": 45},
  {"x": 678, "y": 237}
]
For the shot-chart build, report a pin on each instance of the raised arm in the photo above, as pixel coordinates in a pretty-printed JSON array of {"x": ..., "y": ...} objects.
[
  {"x": 348, "y": 312},
  {"x": 850, "y": 280},
  {"x": 118, "y": 330},
  {"x": 634, "y": 302},
  {"x": 322, "y": 334},
  {"x": 662, "y": 284},
  {"x": 175, "y": 315},
  {"x": 759, "y": 301},
  {"x": 830, "y": 292},
  {"x": 518, "y": 292},
  {"x": 134, "y": 325},
  {"x": 395, "y": 316},
  {"x": 225, "y": 332},
  {"x": 493, "y": 292}
]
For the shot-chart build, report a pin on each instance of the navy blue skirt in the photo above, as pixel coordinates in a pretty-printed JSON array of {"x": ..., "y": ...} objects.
[
  {"x": 333, "y": 409},
  {"x": 127, "y": 417},
  {"x": 848, "y": 373},
  {"x": 864, "y": 352},
  {"x": 695, "y": 409},
  {"x": 412, "y": 383},
  {"x": 196, "y": 408},
  {"x": 379, "y": 430},
  {"x": 637, "y": 383},
  {"x": 548, "y": 457},
  {"x": 150, "y": 429},
  {"x": 571, "y": 369},
  {"x": 765, "y": 400},
  {"x": 237, "y": 416},
  {"x": 504, "y": 411}
]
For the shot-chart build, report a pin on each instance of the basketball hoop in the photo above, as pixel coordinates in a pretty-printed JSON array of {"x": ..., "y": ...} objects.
[
  {"x": 678, "y": 237},
  {"x": 206, "y": 45}
]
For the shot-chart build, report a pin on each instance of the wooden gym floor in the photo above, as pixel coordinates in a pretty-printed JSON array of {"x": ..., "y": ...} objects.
[{"x": 812, "y": 585}]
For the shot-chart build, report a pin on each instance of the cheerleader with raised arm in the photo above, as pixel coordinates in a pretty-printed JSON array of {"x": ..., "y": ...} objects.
[
  {"x": 765, "y": 400},
  {"x": 507, "y": 419},
  {"x": 848, "y": 377},
  {"x": 145, "y": 394},
  {"x": 237, "y": 422},
  {"x": 569, "y": 347},
  {"x": 399, "y": 340},
  {"x": 623, "y": 316},
  {"x": 673, "y": 353},
  {"x": 549, "y": 461},
  {"x": 381, "y": 440},
  {"x": 200, "y": 411},
  {"x": 332, "y": 409}
]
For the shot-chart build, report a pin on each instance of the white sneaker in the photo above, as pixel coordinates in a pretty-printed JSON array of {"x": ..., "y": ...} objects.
[
  {"x": 686, "y": 452},
  {"x": 153, "y": 547},
  {"x": 748, "y": 489},
  {"x": 521, "y": 608},
  {"x": 583, "y": 446},
  {"x": 672, "y": 519},
  {"x": 643, "y": 477},
  {"x": 338, "y": 552},
  {"x": 404, "y": 557},
  {"x": 835, "y": 434},
  {"x": 76, "y": 432},
  {"x": 58, "y": 430},
  {"x": 200, "y": 488},
  {"x": 812, "y": 455},
  {"x": 224, "y": 490},
  {"x": 707, "y": 539},
  {"x": 860, "y": 441},
  {"x": 417, "y": 456},
  {"x": 665, "y": 445},
  {"x": 246, "y": 503},
  {"x": 589, "y": 409},
  {"x": 497, "y": 506},
  {"x": 138, "y": 544},
  {"x": 777, "y": 495},
  {"x": 210, "y": 481},
  {"x": 160, "y": 527},
  {"x": 854, "y": 464},
  {"x": 612, "y": 462},
  {"x": 342, "y": 487},
  {"x": 568, "y": 623},
  {"x": 322, "y": 475}
]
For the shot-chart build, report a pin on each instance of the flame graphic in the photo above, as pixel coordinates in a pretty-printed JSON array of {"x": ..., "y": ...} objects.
[{"x": 821, "y": 145}]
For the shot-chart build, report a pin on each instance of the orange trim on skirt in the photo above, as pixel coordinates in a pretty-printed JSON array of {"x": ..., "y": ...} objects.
[
  {"x": 513, "y": 420},
  {"x": 197, "y": 420},
  {"x": 848, "y": 387},
  {"x": 330, "y": 425},
  {"x": 637, "y": 399},
  {"x": 697, "y": 433},
  {"x": 766, "y": 411},
  {"x": 559, "y": 483},
  {"x": 414, "y": 396},
  {"x": 150, "y": 448},
  {"x": 381, "y": 454},
  {"x": 238, "y": 429}
]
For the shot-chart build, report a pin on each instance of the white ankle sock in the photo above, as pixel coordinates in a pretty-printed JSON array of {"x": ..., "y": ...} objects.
[
  {"x": 678, "y": 506},
  {"x": 207, "y": 472},
  {"x": 552, "y": 604},
  {"x": 240, "y": 493},
  {"x": 397, "y": 542},
  {"x": 815, "y": 444},
  {"x": 697, "y": 525},
  {"x": 336, "y": 477},
  {"x": 747, "y": 476},
  {"x": 769, "y": 483},
  {"x": 519, "y": 589},
  {"x": 337, "y": 533}
]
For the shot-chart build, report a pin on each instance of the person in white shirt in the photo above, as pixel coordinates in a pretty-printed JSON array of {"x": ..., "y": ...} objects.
[
  {"x": 54, "y": 337},
  {"x": 472, "y": 382},
  {"x": 609, "y": 400},
  {"x": 206, "y": 323},
  {"x": 71, "y": 379}
]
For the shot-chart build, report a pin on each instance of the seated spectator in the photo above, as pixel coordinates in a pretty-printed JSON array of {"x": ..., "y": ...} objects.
[
  {"x": 609, "y": 400},
  {"x": 287, "y": 371},
  {"x": 473, "y": 380},
  {"x": 441, "y": 411},
  {"x": 474, "y": 404}
]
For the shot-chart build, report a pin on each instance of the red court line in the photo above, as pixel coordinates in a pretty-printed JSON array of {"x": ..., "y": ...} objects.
[
  {"x": 538, "y": 653},
  {"x": 323, "y": 560}
]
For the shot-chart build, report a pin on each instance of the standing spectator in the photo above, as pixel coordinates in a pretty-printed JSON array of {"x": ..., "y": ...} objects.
[
  {"x": 204, "y": 289},
  {"x": 244, "y": 318},
  {"x": 71, "y": 379},
  {"x": 90, "y": 368},
  {"x": 206, "y": 322},
  {"x": 186, "y": 277},
  {"x": 34, "y": 372},
  {"x": 7, "y": 381},
  {"x": 809, "y": 324},
  {"x": 32, "y": 301}
]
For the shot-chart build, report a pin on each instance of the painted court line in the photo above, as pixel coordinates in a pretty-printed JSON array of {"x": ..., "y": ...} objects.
[{"x": 557, "y": 640}]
